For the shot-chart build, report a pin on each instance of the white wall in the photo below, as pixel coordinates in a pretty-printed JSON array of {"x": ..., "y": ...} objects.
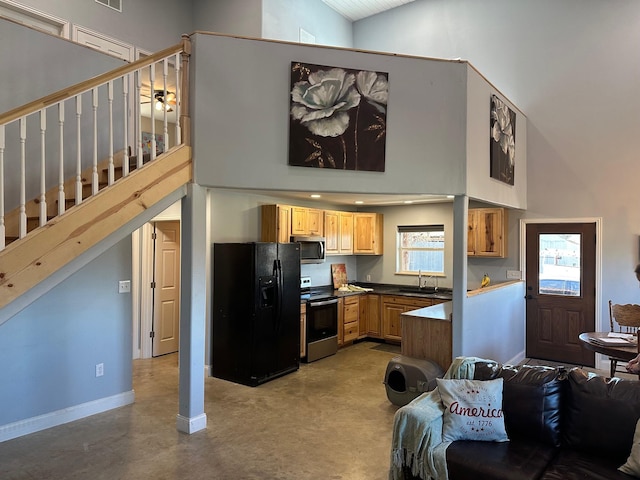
[
  {"x": 49, "y": 350},
  {"x": 242, "y": 87},
  {"x": 570, "y": 66},
  {"x": 238, "y": 18},
  {"x": 148, "y": 24},
  {"x": 283, "y": 19},
  {"x": 480, "y": 185}
]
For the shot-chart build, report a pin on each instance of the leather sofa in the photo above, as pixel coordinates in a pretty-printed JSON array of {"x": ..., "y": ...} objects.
[{"x": 561, "y": 425}]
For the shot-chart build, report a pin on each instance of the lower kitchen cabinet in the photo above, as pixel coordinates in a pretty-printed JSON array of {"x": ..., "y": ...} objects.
[
  {"x": 350, "y": 318},
  {"x": 303, "y": 330},
  {"x": 369, "y": 321},
  {"x": 393, "y": 306}
]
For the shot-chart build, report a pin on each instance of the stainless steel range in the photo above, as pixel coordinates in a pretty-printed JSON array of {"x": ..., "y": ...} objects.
[{"x": 322, "y": 321}]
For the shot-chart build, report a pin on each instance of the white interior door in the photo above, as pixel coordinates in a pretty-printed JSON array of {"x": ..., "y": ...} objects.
[
  {"x": 98, "y": 41},
  {"x": 166, "y": 305}
]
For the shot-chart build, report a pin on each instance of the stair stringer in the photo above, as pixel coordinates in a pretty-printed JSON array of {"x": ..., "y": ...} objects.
[{"x": 33, "y": 265}]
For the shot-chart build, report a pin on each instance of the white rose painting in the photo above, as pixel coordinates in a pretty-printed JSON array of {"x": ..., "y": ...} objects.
[
  {"x": 338, "y": 118},
  {"x": 503, "y": 141}
]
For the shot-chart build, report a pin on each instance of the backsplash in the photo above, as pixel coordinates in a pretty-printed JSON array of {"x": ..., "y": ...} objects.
[{"x": 320, "y": 273}]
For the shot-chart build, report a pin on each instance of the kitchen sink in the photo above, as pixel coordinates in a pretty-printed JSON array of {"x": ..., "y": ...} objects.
[{"x": 424, "y": 291}]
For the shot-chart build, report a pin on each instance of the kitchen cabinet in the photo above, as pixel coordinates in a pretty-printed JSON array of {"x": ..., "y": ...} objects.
[
  {"x": 368, "y": 233},
  {"x": 351, "y": 307},
  {"x": 307, "y": 221},
  {"x": 487, "y": 234},
  {"x": 276, "y": 223},
  {"x": 303, "y": 330},
  {"x": 392, "y": 306},
  {"x": 338, "y": 230},
  {"x": 369, "y": 322}
]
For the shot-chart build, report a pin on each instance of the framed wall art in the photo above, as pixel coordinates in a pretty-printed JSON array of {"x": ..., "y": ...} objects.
[
  {"x": 338, "y": 117},
  {"x": 503, "y": 141}
]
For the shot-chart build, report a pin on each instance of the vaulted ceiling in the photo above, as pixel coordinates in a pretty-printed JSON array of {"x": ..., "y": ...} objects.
[{"x": 354, "y": 10}]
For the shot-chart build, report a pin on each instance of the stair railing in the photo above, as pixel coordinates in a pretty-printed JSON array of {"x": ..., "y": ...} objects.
[{"x": 111, "y": 144}]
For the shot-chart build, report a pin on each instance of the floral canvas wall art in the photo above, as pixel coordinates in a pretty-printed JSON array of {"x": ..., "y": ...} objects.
[
  {"x": 146, "y": 142},
  {"x": 338, "y": 117},
  {"x": 503, "y": 141}
]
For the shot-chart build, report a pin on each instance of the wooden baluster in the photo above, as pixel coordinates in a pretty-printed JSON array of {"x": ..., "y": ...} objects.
[
  {"x": 138, "y": 118},
  {"x": 43, "y": 167},
  {"x": 22, "y": 230},
  {"x": 178, "y": 63},
  {"x": 3, "y": 231},
  {"x": 152, "y": 78},
  {"x": 111, "y": 174},
  {"x": 61, "y": 196},
  {"x": 125, "y": 130},
  {"x": 165, "y": 104},
  {"x": 94, "y": 175},
  {"x": 79, "y": 150}
]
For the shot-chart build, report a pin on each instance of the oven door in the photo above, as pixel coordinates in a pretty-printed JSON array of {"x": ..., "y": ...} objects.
[{"x": 322, "y": 319}]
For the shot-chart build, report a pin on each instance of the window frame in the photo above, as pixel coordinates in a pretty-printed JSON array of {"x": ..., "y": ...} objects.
[{"x": 419, "y": 229}]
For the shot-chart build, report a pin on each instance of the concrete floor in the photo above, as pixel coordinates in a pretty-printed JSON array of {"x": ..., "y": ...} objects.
[{"x": 329, "y": 420}]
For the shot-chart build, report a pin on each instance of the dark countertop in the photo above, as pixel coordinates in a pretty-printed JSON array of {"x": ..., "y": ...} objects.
[{"x": 384, "y": 289}]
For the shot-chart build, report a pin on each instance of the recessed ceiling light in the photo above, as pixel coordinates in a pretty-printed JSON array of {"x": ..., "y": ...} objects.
[
  {"x": 315, "y": 195},
  {"x": 408, "y": 201},
  {"x": 359, "y": 202}
]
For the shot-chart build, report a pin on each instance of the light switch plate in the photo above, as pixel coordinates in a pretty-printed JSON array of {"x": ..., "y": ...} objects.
[
  {"x": 514, "y": 274},
  {"x": 124, "y": 286}
]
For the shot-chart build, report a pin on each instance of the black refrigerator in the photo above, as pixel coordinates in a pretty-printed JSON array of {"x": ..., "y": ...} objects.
[{"x": 256, "y": 311}]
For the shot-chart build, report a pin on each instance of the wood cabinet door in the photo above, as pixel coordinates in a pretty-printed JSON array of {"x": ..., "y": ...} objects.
[
  {"x": 370, "y": 324},
  {"x": 392, "y": 321},
  {"x": 367, "y": 233},
  {"x": 345, "y": 241},
  {"x": 340, "y": 321},
  {"x": 332, "y": 232},
  {"x": 471, "y": 233},
  {"x": 315, "y": 222},
  {"x": 299, "y": 224},
  {"x": 284, "y": 224},
  {"x": 489, "y": 232}
]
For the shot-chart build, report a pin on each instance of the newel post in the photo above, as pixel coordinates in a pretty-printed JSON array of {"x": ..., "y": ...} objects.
[{"x": 185, "y": 119}]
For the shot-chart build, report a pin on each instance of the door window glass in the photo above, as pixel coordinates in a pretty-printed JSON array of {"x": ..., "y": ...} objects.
[{"x": 559, "y": 264}]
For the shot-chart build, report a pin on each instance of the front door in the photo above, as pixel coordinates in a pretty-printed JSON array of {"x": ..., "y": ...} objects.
[
  {"x": 166, "y": 304},
  {"x": 560, "y": 290}
]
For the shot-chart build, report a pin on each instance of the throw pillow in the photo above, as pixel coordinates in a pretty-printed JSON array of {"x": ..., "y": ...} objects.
[
  {"x": 632, "y": 466},
  {"x": 472, "y": 410}
]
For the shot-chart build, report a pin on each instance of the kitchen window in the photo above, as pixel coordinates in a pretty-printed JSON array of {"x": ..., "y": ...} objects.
[{"x": 420, "y": 249}]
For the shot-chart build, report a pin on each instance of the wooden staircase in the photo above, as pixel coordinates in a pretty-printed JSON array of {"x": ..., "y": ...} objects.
[{"x": 28, "y": 261}]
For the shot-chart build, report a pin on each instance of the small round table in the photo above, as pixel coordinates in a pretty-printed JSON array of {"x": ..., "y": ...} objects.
[{"x": 623, "y": 352}]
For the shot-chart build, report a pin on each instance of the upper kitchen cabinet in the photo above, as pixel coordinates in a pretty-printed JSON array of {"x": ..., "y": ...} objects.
[
  {"x": 276, "y": 223},
  {"x": 338, "y": 230},
  {"x": 368, "y": 233},
  {"x": 307, "y": 221},
  {"x": 487, "y": 236}
]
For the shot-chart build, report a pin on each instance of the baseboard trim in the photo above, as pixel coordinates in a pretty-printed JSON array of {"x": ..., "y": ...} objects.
[
  {"x": 517, "y": 359},
  {"x": 191, "y": 424},
  {"x": 66, "y": 415}
]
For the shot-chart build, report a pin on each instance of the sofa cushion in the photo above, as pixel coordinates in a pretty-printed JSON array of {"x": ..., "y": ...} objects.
[
  {"x": 531, "y": 399},
  {"x": 472, "y": 410},
  {"x": 574, "y": 465},
  {"x": 514, "y": 460},
  {"x": 601, "y": 415}
]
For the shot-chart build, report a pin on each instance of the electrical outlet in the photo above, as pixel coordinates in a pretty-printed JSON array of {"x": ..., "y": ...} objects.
[
  {"x": 99, "y": 369},
  {"x": 368, "y": 278},
  {"x": 514, "y": 274},
  {"x": 124, "y": 286}
]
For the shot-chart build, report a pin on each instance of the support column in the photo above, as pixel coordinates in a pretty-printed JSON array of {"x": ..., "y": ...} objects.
[
  {"x": 460, "y": 220},
  {"x": 191, "y": 417}
]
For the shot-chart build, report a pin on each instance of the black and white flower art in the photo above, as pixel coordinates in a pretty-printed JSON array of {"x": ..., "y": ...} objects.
[
  {"x": 338, "y": 118},
  {"x": 503, "y": 141}
]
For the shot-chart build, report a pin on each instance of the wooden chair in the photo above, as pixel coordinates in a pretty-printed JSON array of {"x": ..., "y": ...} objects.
[{"x": 624, "y": 319}]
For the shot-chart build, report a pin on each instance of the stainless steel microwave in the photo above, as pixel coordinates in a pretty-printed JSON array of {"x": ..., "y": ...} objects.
[{"x": 312, "y": 249}]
